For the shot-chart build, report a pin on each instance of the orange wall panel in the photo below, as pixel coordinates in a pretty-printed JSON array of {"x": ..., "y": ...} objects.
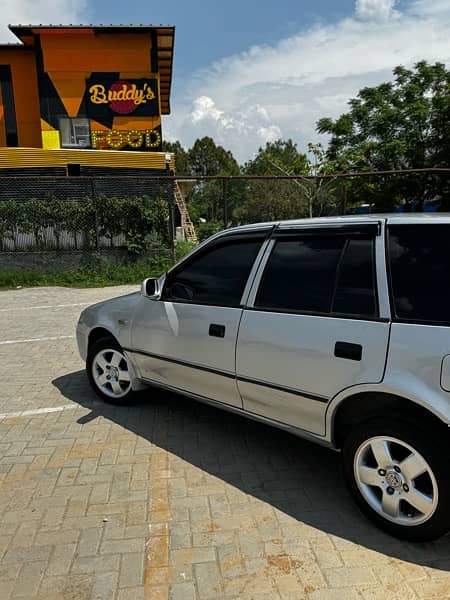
[
  {"x": 70, "y": 86},
  {"x": 26, "y": 97},
  {"x": 95, "y": 52}
]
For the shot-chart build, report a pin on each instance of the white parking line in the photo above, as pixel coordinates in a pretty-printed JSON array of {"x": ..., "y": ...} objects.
[
  {"x": 38, "y": 411},
  {"x": 44, "y": 339},
  {"x": 43, "y": 306}
]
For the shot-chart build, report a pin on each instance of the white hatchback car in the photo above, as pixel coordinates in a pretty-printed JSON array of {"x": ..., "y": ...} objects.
[{"x": 336, "y": 329}]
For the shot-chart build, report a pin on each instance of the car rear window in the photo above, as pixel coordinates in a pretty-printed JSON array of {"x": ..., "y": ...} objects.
[
  {"x": 334, "y": 276},
  {"x": 419, "y": 260}
]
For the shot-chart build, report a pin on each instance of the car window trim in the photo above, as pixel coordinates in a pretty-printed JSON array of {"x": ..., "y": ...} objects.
[
  {"x": 254, "y": 271},
  {"x": 381, "y": 274},
  {"x": 341, "y": 229},
  {"x": 306, "y": 313},
  {"x": 260, "y": 273}
]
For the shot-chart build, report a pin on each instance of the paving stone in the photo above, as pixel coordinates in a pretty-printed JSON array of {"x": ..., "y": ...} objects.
[
  {"x": 169, "y": 499},
  {"x": 208, "y": 580},
  {"x": 7, "y": 588},
  {"x": 190, "y": 556},
  {"x": 230, "y": 560},
  {"x": 53, "y": 538},
  {"x": 136, "y": 593},
  {"x": 122, "y": 546},
  {"x": 61, "y": 559},
  {"x": 182, "y": 591},
  {"x": 96, "y": 564},
  {"x": 132, "y": 570},
  {"x": 89, "y": 541},
  {"x": 334, "y": 594},
  {"x": 105, "y": 585},
  {"x": 29, "y": 579},
  {"x": 26, "y": 554},
  {"x": 25, "y": 535},
  {"x": 348, "y": 576}
]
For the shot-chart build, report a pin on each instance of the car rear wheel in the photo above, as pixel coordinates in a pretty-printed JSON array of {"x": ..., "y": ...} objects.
[
  {"x": 108, "y": 371},
  {"x": 398, "y": 476}
]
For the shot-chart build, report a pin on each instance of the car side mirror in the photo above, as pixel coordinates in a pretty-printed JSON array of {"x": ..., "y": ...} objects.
[{"x": 150, "y": 288}]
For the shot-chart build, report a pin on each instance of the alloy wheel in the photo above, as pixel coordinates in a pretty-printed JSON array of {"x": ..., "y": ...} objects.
[
  {"x": 111, "y": 374},
  {"x": 395, "y": 480}
]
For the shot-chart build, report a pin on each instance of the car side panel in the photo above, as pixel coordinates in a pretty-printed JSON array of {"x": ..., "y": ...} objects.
[
  {"x": 415, "y": 359},
  {"x": 294, "y": 355},
  {"x": 171, "y": 345}
]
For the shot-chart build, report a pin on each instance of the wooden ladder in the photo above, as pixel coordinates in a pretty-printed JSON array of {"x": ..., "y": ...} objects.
[{"x": 186, "y": 223}]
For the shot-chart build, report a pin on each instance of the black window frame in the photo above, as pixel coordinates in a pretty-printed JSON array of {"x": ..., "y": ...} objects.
[
  {"x": 394, "y": 317},
  {"x": 260, "y": 235},
  {"x": 369, "y": 232}
]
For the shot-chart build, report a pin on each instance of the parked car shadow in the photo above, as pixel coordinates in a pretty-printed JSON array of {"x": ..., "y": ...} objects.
[{"x": 297, "y": 477}]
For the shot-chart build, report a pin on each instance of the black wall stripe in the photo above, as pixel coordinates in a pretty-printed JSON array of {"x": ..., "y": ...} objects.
[
  {"x": 51, "y": 104},
  {"x": 8, "y": 106}
]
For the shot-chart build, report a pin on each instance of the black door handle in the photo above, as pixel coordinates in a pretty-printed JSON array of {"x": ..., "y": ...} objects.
[
  {"x": 217, "y": 330},
  {"x": 347, "y": 350}
]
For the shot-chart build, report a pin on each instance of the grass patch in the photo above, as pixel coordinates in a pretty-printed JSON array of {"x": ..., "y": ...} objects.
[
  {"x": 82, "y": 277},
  {"x": 94, "y": 272}
]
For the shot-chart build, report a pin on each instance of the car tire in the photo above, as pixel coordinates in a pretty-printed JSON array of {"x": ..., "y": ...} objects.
[
  {"x": 108, "y": 371},
  {"x": 398, "y": 475}
]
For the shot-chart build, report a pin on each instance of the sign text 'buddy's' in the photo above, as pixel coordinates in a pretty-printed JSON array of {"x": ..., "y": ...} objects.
[{"x": 126, "y": 92}]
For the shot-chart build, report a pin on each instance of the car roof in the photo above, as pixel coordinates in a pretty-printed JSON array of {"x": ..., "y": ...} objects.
[{"x": 394, "y": 218}]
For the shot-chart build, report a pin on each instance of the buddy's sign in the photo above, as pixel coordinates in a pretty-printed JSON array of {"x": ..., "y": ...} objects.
[{"x": 106, "y": 94}]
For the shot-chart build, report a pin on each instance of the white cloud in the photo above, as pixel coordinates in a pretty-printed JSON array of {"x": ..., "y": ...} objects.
[
  {"x": 39, "y": 11},
  {"x": 375, "y": 10},
  {"x": 207, "y": 117},
  {"x": 247, "y": 99}
]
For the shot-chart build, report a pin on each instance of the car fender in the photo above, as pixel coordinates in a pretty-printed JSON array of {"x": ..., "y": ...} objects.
[{"x": 436, "y": 401}]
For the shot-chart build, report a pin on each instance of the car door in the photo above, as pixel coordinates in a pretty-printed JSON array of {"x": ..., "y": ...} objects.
[
  {"x": 187, "y": 339},
  {"x": 312, "y": 326}
]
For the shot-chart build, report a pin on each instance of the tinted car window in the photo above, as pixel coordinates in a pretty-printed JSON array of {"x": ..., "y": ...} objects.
[
  {"x": 300, "y": 275},
  {"x": 217, "y": 276},
  {"x": 419, "y": 260},
  {"x": 355, "y": 289}
]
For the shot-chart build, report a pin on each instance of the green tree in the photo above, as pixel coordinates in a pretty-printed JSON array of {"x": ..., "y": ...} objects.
[
  {"x": 403, "y": 124},
  {"x": 207, "y": 158},
  {"x": 212, "y": 201},
  {"x": 272, "y": 199},
  {"x": 281, "y": 156}
]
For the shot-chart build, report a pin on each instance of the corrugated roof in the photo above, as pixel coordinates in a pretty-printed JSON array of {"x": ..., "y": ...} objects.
[
  {"x": 39, "y": 157},
  {"x": 165, "y": 36}
]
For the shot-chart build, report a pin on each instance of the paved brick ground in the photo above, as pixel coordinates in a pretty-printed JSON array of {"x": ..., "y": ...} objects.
[{"x": 169, "y": 499}]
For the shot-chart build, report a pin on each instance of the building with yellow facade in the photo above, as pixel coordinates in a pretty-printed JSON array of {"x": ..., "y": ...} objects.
[{"x": 70, "y": 93}]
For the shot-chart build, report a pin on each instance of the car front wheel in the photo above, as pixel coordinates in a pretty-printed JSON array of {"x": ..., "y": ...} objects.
[
  {"x": 108, "y": 371},
  {"x": 398, "y": 476}
]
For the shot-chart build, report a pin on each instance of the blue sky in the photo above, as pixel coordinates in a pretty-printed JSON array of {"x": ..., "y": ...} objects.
[
  {"x": 208, "y": 31},
  {"x": 248, "y": 71}
]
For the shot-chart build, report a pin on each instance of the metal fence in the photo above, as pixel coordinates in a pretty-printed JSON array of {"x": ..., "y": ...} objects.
[
  {"x": 73, "y": 213},
  {"x": 83, "y": 213}
]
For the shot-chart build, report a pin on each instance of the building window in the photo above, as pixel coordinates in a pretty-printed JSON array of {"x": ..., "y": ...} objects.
[{"x": 74, "y": 133}]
